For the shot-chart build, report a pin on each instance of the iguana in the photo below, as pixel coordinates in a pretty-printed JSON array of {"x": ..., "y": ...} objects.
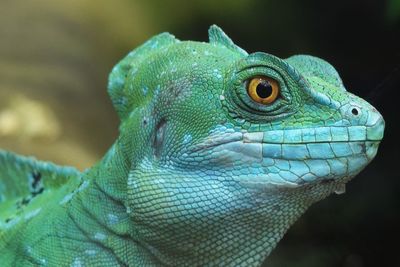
[{"x": 219, "y": 152}]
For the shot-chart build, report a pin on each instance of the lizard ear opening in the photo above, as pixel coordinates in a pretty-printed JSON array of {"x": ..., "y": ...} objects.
[{"x": 217, "y": 37}]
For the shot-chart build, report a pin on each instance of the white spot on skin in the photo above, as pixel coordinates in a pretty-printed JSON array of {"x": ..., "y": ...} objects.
[
  {"x": 83, "y": 186},
  {"x": 221, "y": 97},
  {"x": 194, "y": 64},
  {"x": 133, "y": 71},
  {"x": 112, "y": 218},
  {"x": 76, "y": 263},
  {"x": 128, "y": 210},
  {"x": 154, "y": 45},
  {"x": 67, "y": 198},
  {"x": 100, "y": 236},
  {"x": 216, "y": 71},
  {"x": 159, "y": 181},
  {"x": 187, "y": 138},
  {"x": 9, "y": 224},
  {"x": 90, "y": 252},
  {"x": 134, "y": 185},
  {"x": 32, "y": 214},
  {"x": 207, "y": 53},
  {"x": 156, "y": 93},
  {"x": 28, "y": 249}
]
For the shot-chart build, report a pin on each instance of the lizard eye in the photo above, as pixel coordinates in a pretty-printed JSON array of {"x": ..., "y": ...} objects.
[{"x": 263, "y": 90}]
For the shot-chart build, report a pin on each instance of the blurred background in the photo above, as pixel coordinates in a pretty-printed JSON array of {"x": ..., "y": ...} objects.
[{"x": 55, "y": 57}]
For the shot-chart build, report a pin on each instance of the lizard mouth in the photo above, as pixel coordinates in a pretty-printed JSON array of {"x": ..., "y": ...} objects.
[{"x": 292, "y": 157}]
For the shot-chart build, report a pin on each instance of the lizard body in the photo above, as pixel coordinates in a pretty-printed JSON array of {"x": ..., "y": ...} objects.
[{"x": 219, "y": 152}]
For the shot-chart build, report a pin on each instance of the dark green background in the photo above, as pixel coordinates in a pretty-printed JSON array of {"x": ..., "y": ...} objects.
[{"x": 57, "y": 54}]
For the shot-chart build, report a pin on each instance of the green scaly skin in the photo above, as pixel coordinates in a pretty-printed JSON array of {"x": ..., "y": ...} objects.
[{"x": 200, "y": 175}]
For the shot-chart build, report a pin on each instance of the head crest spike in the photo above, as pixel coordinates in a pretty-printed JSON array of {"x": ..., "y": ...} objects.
[{"x": 217, "y": 37}]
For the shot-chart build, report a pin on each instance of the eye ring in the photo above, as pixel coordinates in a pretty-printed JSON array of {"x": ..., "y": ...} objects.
[{"x": 263, "y": 90}]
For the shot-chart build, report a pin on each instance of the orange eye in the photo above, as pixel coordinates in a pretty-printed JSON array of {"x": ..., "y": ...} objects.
[{"x": 263, "y": 90}]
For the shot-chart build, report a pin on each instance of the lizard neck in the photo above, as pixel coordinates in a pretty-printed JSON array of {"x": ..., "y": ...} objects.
[{"x": 99, "y": 212}]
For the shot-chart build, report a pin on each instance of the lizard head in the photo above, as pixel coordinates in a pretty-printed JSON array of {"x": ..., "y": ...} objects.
[
  {"x": 216, "y": 133},
  {"x": 294, "y": 125}
]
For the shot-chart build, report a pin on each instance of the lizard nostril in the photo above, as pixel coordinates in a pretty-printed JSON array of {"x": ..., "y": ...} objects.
[{"x": 355, "y": 111}]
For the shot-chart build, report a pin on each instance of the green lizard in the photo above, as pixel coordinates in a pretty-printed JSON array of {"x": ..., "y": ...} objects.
[{"x": 219, "y": 152}]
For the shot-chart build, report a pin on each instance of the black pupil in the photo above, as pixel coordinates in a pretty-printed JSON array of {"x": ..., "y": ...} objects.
[{"x": 264, "y": 89}]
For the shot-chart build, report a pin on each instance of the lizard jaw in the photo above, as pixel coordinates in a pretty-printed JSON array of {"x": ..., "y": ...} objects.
[{"x": 294, "y": 157}]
